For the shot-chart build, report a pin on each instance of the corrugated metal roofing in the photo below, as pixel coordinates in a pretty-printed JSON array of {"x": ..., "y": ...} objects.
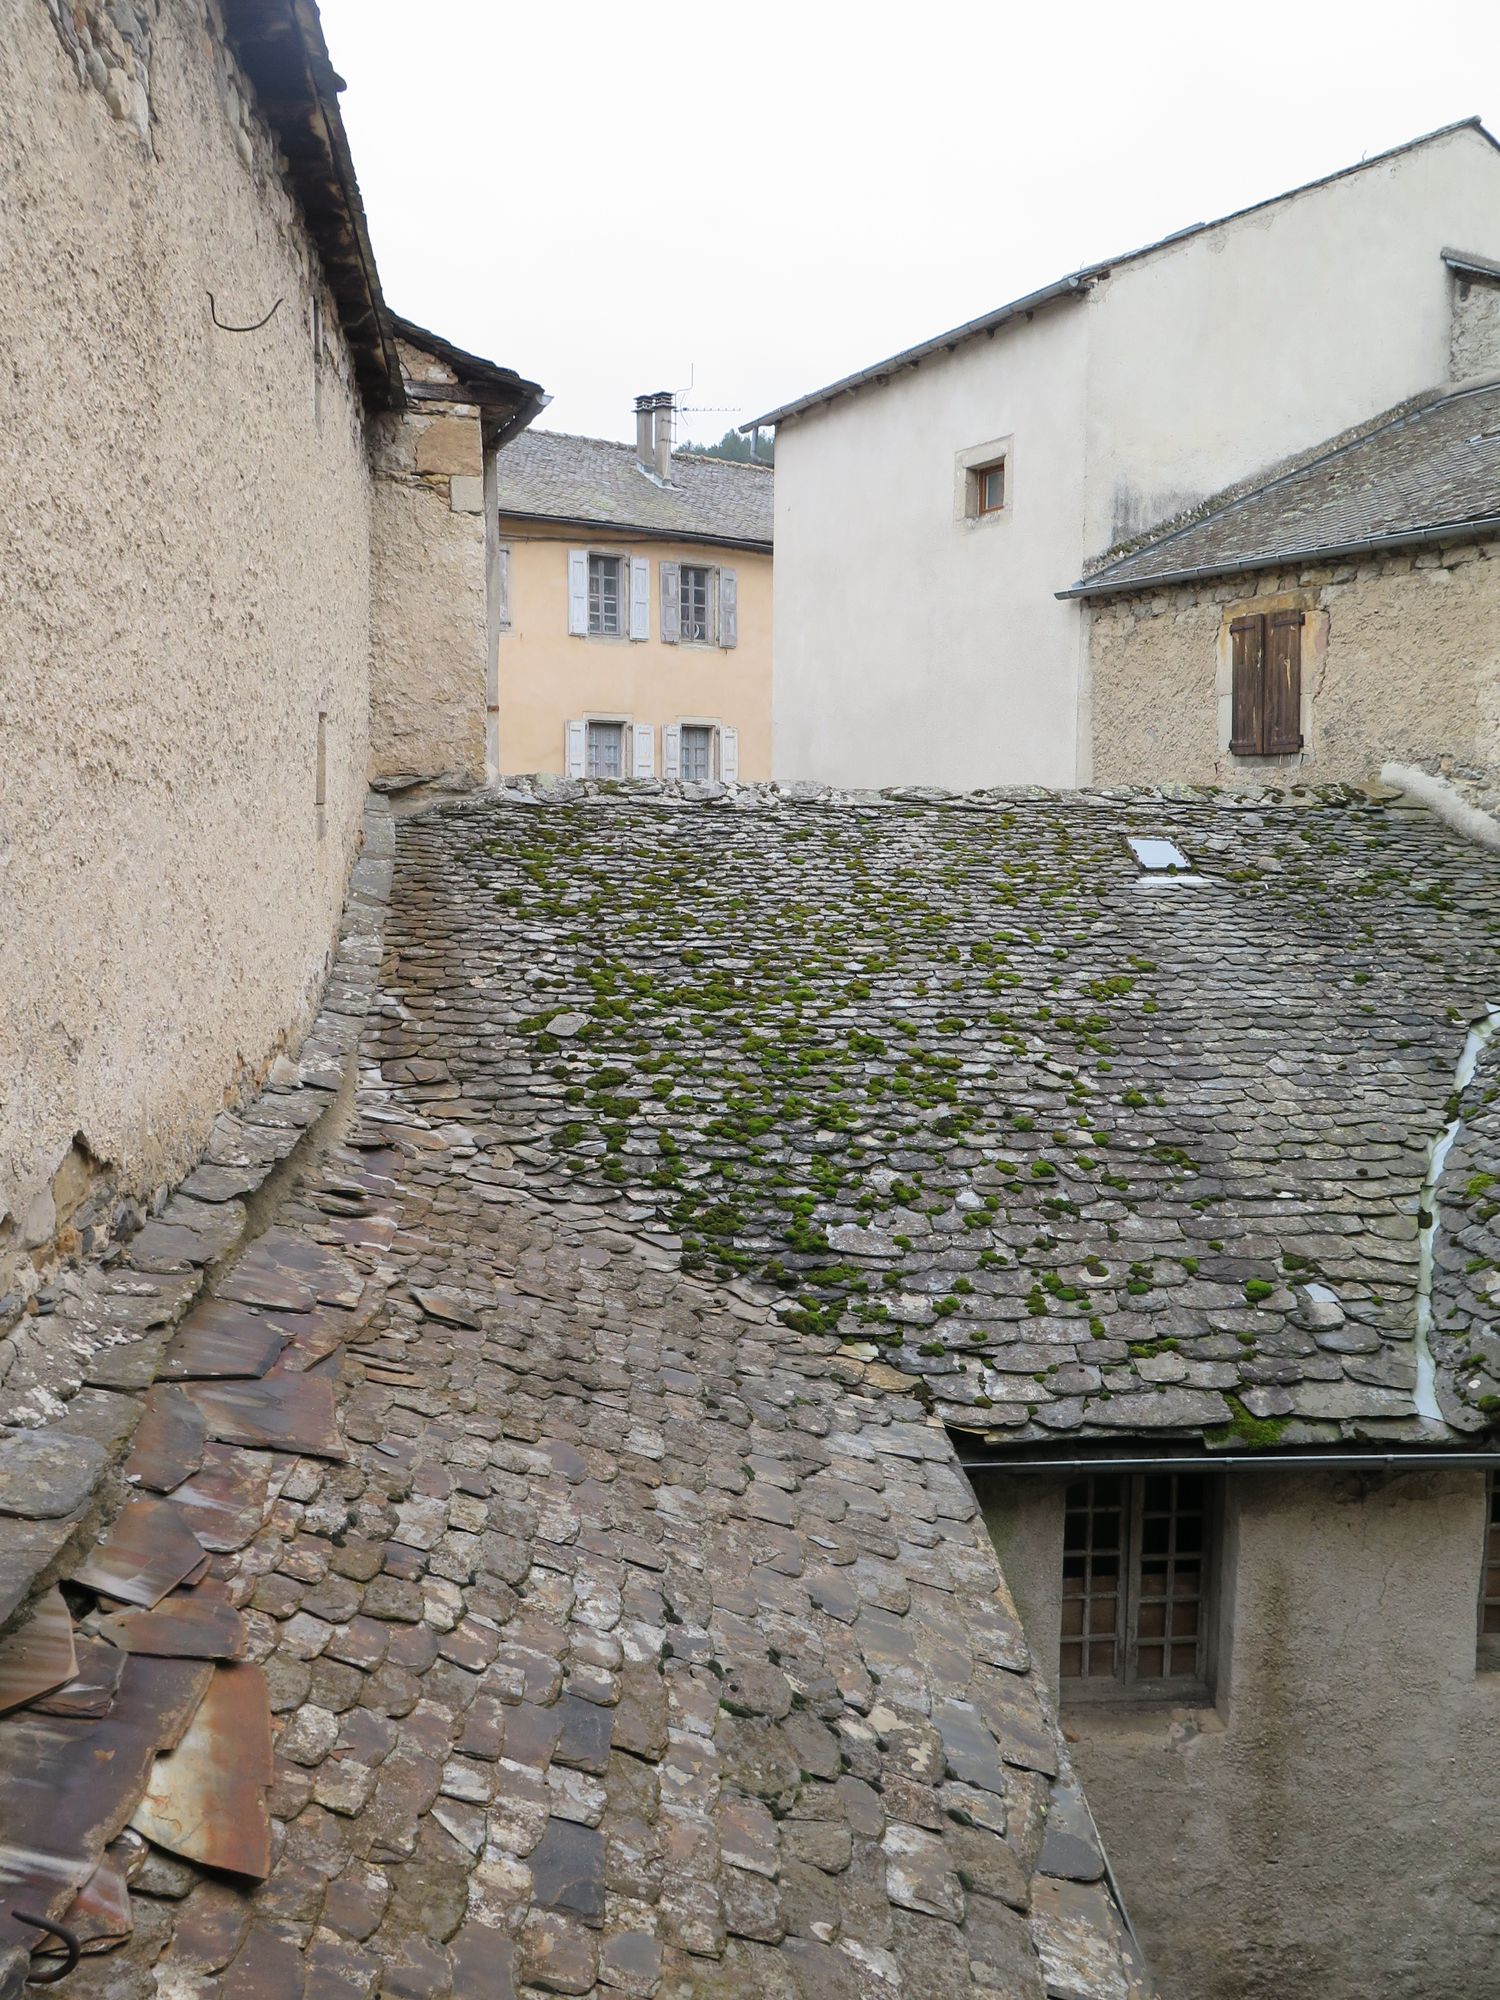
[
  {"x": 1422, "y": 475},
  {"x": 549, "y": 475}
]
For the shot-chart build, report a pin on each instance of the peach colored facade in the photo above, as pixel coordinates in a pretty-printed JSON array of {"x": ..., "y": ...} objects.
[{"x": 550, "y": 677}]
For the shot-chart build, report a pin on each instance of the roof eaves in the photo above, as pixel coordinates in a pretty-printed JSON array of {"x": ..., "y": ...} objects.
[
  {"x": 497, "y": 391},
  {"x": 280, "y": 46},
  {"x": 1469, "y": 264},
  {"x": 1467, "y": 528},
  {"x": 637, "y": 530},
  {"x": 1090, "y": 274}
]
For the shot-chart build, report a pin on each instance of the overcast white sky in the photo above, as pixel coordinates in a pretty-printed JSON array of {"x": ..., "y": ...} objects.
[{"x": 759, "y": 198}]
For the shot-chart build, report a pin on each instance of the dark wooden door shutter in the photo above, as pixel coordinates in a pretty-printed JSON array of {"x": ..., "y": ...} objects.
[
  {"x": 1284, "y": 681},
  {"x": 1247, "y": 638}
]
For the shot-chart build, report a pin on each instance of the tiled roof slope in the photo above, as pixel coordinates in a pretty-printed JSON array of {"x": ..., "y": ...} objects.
[
  {"x": 1423, "y": 474},
  {"x": 550, "y": 475},
  {"x": 1098, "y": 1160}
]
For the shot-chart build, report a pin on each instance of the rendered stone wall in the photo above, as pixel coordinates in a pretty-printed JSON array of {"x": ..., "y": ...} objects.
[
  {"x": 1328, "y": 1829},
  {"x": 428, "y": 629},
  {"x": 1401, "y": 661},
  {"x": 186, "y": 591}
]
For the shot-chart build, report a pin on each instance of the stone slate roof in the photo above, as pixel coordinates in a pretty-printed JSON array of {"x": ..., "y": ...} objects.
[
  {"x": 1422, "y": 475},
  {"x": 1094, "y": 1157},
  {"x": 550, "y": 475}
]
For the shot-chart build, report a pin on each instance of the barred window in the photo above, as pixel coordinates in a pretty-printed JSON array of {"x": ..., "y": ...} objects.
[
  {"x": 606, "y": 750},
  {"x": 697, "y": 753},
  {"x": 1136, "y": 1587},
  {"x": 605, "y": 597},
  {"x": 697, "y": 599},
  {"x": 1489, "y": 1579}
]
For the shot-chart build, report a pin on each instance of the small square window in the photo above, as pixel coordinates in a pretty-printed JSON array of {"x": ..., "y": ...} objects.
[
  {"x": 696, "y": 587},
  {"x": 606, "y": 598},
  {"x": 697, "y": 752},
  {"x": 606, "y": 750},
  {"x": 989, "y": 487},
  {"x": 1136, "y": 1588}
]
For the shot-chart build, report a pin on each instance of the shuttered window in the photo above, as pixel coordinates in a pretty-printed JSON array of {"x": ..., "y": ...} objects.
[
  {"x": 605, "y": 616},
  {"x": 1136, "y": 1587},
  {"x": 696, "y": 752},
  {"x": 1266, "y": 653},
  {"x": 606, "y": 750},
  {"x": 695, "y": 598}
]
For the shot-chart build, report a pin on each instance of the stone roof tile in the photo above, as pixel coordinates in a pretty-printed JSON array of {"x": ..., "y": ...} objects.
[{"x": 550, "y": 475}]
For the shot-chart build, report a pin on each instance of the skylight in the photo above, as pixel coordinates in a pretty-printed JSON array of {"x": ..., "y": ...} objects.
[{"x": 1158, "y": 856}]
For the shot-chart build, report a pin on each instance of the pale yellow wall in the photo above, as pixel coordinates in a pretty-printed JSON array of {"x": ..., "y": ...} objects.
[
  {"x": 427, "y": 638},
  {"x": 1401, "y": 663},
  {"x": 186, "y": 588},
  {"x": 548, "y": 676}
]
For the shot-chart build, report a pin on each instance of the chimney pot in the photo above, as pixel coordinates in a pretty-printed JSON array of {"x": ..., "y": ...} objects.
[
  {"x": 663, "y": 410},
  {"x": 644, "y": 447}
]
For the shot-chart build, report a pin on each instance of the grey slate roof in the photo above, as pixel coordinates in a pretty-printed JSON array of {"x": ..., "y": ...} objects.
[
  {"x": 1423, "y": 475},
  {"x": 550, "y": 475}
]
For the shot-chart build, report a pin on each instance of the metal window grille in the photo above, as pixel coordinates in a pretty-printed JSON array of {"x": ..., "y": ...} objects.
[
  {"x": 606, "y": 750},
  {"x": 1135, "y": 1587},
  {"x": 697, "y": 753},
  {"x": 604, "y": 595},
  {"x": 1489, "y": 1582},
  {"x": 695, "y": 596}
]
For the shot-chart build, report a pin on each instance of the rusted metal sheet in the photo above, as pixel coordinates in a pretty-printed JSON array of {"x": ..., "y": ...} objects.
[
  {"x": 225, "y": 1500},
  {"x": 206, "y": 1799},
  {"x": 182, "y": 1627},
  {"x": 39, "y": 1656},
  {"x": 168, "y": 1444},
  {"x": 95, "y": 1682},
  {"x": 69, "y": 1784},
  {"x": 280, "y": 1413},
  {"x": 220, "y": 1339},
  {"x": 148, "y": 1550}
]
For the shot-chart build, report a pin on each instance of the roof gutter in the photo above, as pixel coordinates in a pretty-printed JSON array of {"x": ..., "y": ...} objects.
[
  {"x": 1245, "y": 1461},
  {"x": 634, "y": 531},
  {"x": 1405, "y": 538}
]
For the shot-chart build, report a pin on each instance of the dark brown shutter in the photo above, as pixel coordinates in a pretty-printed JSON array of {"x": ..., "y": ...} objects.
[
  {"x": 1284, "y": 681},
  {"x": 1247, "y": 638}
]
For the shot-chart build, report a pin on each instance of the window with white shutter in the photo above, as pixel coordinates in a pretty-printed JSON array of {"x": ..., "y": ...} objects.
[
  {"x": 606, "y": 586},
  {"x": 729, "y": 754},
  {"x": 605, "y": 754},
  {"x": 697, "y": 604},
  {"x": 640, "y": 598},
  {"x": 502, "y": 575},
  {"x": 697, "y": 753},
  {"x": 729, "y": 615},
  {"x": 671, "y": 584},
  {"x": 574, "y": 749},
  {"x": 578, "y": 593},
  {"x": 643, "y": 759},
  {"x": 671, "y": 751}
]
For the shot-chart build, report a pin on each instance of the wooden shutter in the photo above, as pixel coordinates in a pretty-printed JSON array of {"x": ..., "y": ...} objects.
[
  {"x": 729, "y": 754},
  {"x": 640, "y": 600},
  {"x": 729, "y": 612},
  {"x": 578, "y": 593},
  {"x": 1283, "y": 706},
  {"x": 502, "y": 581},
  {"x": 575, "y": 749},
  {"x": 671, "y": 751},
  {"x": 671, "y": 603},
  {"x": 1247, "y": 640},
  {"x": 643, "y": 750}
]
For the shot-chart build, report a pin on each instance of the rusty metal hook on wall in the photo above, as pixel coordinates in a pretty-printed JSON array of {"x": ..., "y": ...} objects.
[
  {"x": 70, "y": 1945},
  {"x": 225, "y": 327}
]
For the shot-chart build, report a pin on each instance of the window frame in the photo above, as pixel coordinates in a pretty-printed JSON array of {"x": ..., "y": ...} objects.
[
  {"x": 620, "y": 725},
  {"x": 1126, "y": 1686},
  {"x": 969, "y": 466},
  {"x": 710, "y": 574},
  {"x": 621, "y": 628},
  {"x": 711, "y": 731},
  {"x": 1487, "y": 1643},
  {"x": 981, "y": 474}
]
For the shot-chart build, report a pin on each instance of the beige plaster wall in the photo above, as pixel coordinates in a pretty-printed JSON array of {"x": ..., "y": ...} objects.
[
  {"x": 428, "y": 622},
  {"x": 549, "y": 676},
  {"x": 185, "y": 589},
  {"x": 1401, "y": 661},
  {"x": 1328, "y": 1831}
]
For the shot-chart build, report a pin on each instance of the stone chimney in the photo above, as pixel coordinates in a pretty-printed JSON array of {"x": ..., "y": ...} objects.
[
  {"x": 663, "y": 410},
  {"x": 643, "y": 430}
]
